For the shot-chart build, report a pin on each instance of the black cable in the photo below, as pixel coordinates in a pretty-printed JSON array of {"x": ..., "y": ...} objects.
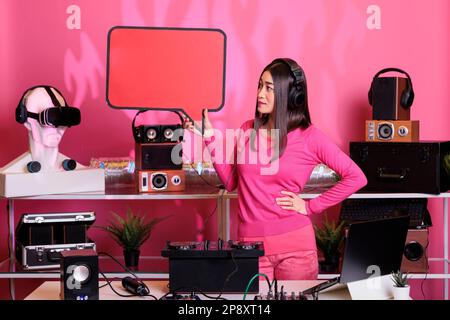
[
  {"x": 193, "y": 290},
  {"x": 205, "y": 222},
  {"x": 179, "y": 116},
  {"x": 112, "y": 288},
  {"x": 236, "y": 268},
  {"x": 115, "y": 278},
  {"x": 427, "y": 266},
  {"x": 124, "y": 295},
  {"x": 119, "y": 263},
  {"x": 215, "y": 207},
  {"x": 126, "y": 269},
  {"x": 219, "y": 186},
  {"x": 208, "y": 296},
  {"x": 133, "y": 124}
]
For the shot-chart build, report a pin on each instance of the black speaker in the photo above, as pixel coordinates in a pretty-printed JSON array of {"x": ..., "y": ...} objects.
[
  {"x": 147, "y": 134},
  {"x": 171, "y": 133},
  {"x": 403, "y": 167},
  {"x": 391, "y": 97},
  {"x": 156, "y": 156},
  {"x": 386, "y": 99},
  {"x": 79, "y": 275},
  {"x": 158, "y": 133}
]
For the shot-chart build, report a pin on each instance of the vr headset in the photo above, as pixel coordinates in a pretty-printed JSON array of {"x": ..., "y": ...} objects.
[{"x": 57, "y": 116}]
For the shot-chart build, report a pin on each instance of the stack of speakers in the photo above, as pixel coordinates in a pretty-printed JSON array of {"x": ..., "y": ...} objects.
[
  {"x": 391, "y": 98},
  {"x": 159, "y": 165},
  {"x": 392, "y": 157}
]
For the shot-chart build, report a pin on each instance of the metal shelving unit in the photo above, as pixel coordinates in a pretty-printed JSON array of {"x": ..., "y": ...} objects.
[{"x": 9, "y": 268}]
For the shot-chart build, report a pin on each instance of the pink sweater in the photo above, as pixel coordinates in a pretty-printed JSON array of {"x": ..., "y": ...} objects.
[{"x": 259, "y": 213}]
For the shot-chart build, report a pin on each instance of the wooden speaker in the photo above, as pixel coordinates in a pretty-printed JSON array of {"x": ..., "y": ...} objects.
[
  {"x": 415, "y": 258},
  {"x": 161, "y": 180},
  {"x": 392, "y": 130}
]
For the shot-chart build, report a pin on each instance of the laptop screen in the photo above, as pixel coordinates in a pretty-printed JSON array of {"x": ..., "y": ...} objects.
[{"x": 374, "y": 248}]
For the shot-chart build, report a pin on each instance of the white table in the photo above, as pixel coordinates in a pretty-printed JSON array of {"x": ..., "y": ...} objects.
[{"x": 49, "y": 290}]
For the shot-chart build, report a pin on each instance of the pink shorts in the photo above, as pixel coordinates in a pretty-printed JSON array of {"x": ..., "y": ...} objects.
[
  {"x": 297, "y": 265},
  {"x": 289, "y": 256}
]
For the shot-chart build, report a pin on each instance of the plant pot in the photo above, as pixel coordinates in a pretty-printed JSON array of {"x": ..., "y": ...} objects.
[
  {"x": 131, "y": 258},
  {"x": 401, "y": 293}
]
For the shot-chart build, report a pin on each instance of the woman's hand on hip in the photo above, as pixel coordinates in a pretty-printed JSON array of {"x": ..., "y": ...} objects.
[{"x": 293, "y": 202}]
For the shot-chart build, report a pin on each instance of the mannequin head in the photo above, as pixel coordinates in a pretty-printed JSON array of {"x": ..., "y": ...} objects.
[
  {"x": 36, "y": 100},
  {"x": 46, "y": 115}
]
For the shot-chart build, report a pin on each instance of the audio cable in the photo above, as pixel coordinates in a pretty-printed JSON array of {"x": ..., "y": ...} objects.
[
  {"x": 256, "y": 277},
  {"x": 227, "y": 279},
  {"x": 427, "y": 267},
  {"x": 193, "y": 290},
  {"x": 140, "y": 282}
]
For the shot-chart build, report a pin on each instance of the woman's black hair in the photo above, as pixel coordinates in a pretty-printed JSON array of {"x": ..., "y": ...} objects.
[{"x": 287, "y": 113}]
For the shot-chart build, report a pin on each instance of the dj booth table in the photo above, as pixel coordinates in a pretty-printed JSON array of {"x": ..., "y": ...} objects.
[{"x": 49, "y": 290}]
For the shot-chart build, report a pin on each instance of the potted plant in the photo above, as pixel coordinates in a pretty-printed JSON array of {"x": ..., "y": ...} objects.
[
  {"x": 130, "y": 233},
  {"x": 329, "y": 239},
  {"x": 401, "y": 287}
]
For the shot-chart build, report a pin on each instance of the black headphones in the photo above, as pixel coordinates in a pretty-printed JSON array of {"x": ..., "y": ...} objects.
[
  {"x": 297, "y": 92},
  {"x": 21, "y": 110},
  {"x": 407, "y": 97}
]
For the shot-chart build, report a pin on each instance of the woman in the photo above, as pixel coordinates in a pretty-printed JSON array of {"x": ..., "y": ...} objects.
[{"x": 269, "y": 207}]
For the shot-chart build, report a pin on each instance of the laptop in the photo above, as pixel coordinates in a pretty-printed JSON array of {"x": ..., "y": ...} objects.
[{"x": 372, "y": 248}]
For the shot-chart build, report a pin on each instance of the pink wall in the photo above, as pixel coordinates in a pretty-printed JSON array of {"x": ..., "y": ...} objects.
[{"x": 330, "y": 39}]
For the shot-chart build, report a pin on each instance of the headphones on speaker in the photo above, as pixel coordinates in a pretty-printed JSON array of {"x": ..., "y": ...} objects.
[
  {"x": 297, "y": 92},
  {"x": 407, "y": 97}
]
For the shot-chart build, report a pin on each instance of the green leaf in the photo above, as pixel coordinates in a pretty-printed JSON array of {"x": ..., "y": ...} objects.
[
  {"x": 400, "y": 279},
  {"x": 329, "y": 237},
  {"x": 133, "y": 230}
]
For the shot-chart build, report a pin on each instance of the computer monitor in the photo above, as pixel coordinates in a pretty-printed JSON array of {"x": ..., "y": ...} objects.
[{"x": 374, "y": 246}]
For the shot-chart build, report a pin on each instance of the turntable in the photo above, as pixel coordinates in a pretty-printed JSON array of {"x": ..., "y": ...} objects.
[
  {"x": 207, "y": 265},
  {"x": 245, "y": 245},
  {"x": 181, "y": 245}
]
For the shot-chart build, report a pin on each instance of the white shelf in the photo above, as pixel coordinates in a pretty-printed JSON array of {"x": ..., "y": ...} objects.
[{"x": 311, "y": 195}]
